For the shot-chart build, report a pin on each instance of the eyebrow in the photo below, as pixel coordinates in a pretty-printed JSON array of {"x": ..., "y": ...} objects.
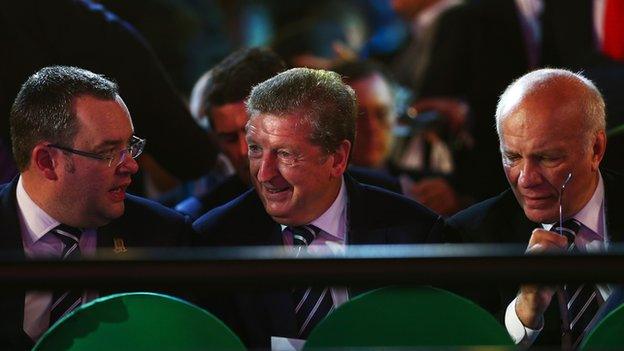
[{"x": 109, "y": 142}]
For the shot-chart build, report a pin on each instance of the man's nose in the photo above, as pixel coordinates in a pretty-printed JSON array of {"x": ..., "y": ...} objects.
[
  {"x": 530, "y": 175},
  {"x": 129, "y": 165},
  {"x": 268, "y": 168}
]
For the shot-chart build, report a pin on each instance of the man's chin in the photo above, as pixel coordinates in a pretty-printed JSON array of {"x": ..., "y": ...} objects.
[{"x": 541, "y": 216}]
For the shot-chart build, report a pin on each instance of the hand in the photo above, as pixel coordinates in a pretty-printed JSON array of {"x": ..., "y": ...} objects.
[
  {"x": 533, "y": 300},
  {"x": 435, "y": 193}
]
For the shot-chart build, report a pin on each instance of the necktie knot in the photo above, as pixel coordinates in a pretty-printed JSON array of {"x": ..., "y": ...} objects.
[
  {"x": 569, "y": 228},
  {"x": 304, "y": 235},
  {"x": 70, "y": 237}
]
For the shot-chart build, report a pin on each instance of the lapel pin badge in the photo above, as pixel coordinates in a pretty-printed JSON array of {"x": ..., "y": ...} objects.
[{"x": 119, "y": 246}]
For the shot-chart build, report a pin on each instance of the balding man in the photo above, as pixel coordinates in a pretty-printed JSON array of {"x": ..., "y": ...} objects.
[{"x": 551, "y": 127}]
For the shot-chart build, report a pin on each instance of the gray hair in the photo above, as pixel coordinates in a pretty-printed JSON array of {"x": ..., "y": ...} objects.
[
  {"x": 320, "y": 96},
  {"x": 43, "y": 107},
  {"x": 536, "y": 82}
]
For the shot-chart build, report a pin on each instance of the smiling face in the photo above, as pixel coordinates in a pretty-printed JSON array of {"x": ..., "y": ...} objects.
[
  {"x": 90, "y": 192},
  {"x": 542, "y": 140},
  {"x": 294, "y": 178}
]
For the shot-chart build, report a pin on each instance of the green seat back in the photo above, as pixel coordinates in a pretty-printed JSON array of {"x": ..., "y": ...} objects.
[
  {"x": 139, "y": 321},
  {"x": 608, "y": 334},
  {"x": 408, "y": 317}
]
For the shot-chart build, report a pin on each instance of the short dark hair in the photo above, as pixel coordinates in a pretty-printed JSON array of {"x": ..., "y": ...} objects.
[
  {"x": 231, "y": 80},
  {"x": 43, "y": 107},
  {"x": 321, "y": 98}
]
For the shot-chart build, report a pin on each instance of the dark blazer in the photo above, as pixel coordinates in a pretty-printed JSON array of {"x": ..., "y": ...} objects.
[
  {"x": 375, "y": 216},
  {"x": 143, "y": 224},
  {"x": 501, "y": 220},
  {"x": 232, "y": 187}
]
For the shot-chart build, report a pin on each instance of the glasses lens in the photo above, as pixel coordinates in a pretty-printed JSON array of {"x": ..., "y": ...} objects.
[{"x": 136, "y": 148}]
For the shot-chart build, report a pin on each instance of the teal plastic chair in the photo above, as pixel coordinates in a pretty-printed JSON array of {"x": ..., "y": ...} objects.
[
  {"x": 139, "y": 321},
  {"x": 608, "y": 334},
  {"x": 408, "y": 318}
]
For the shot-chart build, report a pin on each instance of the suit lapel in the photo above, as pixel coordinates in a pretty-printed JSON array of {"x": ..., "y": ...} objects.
[
  {"x": 113, "y": 235},
  {"x": 10, "y": 234},
  {"x": 274, "y": 310},
  {"x": 358, "y": 230},
  {"x": 12, "y": 303}
]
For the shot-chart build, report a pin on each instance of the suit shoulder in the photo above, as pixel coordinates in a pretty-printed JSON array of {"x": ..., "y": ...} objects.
[
  {"x": 374, "y": 177},
  {"x": 395, "y": 207},
  {"x": 484, "y": 221},
  {"x": 232, "y": 214},
  {"x": 476, "y": 214},
  {"x": 148, "y": 210}
]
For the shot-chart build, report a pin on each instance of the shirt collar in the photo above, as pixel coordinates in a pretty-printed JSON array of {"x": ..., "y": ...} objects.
[
  {"x": 35, "y": 221},
  {"x": 592, "y": 214},
  {"x": 333, "y": 221}
]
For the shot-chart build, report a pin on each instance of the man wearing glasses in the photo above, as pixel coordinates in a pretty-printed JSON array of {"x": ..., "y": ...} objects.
[{"x": 74, "y": 144}]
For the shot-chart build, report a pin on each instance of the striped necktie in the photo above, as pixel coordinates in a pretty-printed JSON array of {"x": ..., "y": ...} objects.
[
  {"x": 312, "y": 304},
  {"x": 65, "y": 301},
  {"x": 582, "y": 300}
]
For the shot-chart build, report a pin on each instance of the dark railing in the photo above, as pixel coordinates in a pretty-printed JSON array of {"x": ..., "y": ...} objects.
[{"x": 258, "y": 267}]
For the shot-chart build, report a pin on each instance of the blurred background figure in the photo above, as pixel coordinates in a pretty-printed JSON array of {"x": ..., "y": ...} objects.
[
  {"x": 85, "y": 34},
  {"x": 409, "y": 64},
  {"x": 451, "y": 58},
  {"x": 481, "y": 46},
  {"x": 376, "y": 112},
  {"x": 378, "y": 129},
  {"x": 218, "y": 103}
]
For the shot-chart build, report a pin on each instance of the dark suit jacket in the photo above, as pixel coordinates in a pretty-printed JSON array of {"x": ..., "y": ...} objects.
[
  {"x": 501, "y": 220},
  {"x": 375, "y": 216},
  {"x": 144, "y": 224}
]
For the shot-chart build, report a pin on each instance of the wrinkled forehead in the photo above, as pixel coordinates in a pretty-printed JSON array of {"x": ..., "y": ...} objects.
[{"x": 286, "y": 123}]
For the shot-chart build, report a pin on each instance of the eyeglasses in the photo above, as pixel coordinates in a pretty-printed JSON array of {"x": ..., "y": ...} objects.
[{"x": 134, "y": 149}]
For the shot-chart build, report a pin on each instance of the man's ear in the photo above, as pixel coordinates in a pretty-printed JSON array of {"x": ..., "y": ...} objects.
[
  {"x": 340, "y": 158},
  {"x": 43, "y": 161},
  {"x": 598, "y": 149}
]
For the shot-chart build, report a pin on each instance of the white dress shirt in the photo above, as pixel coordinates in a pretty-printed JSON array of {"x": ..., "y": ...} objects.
[
  {"x": 35, "y": 224},
  {"x": 592, "y": 237}
]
